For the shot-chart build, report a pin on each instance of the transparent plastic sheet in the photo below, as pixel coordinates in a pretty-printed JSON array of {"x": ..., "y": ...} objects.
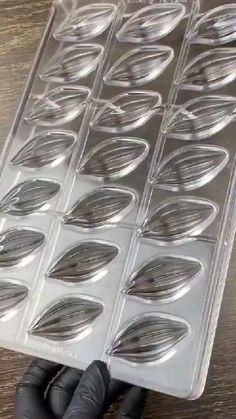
[{"x": 118, "y": 191}]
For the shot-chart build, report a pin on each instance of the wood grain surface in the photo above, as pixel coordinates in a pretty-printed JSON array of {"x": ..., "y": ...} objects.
[{"x": 21, "y": 26}]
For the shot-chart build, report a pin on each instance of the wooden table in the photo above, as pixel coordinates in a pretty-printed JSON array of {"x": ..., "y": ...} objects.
[{"x": 21, "y": 26}]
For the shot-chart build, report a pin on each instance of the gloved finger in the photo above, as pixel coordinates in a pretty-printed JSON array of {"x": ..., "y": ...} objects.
[
  {"x": 115, "y": 390},
  {"x": 30, "y": 390},
  {"x": 133, "y": 404},
  {"x": 62, "y": 389},
  {"x": 90, "y": 395}
]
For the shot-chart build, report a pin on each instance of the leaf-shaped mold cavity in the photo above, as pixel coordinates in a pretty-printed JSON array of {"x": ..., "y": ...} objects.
[
  {"x": 101, "y": 207},
  {"x": 86, "y": 22},
  {"x": 190, "y": 167},
  {"x": 115, "y": 158},
  {"x": 12, "y": 294},
  {"x": 66, "y": 319},
  {"x": 126, "y": 111},
  {"x": 29, "y": 196},
  {"x": 151, "y": 23},
  {"x": 58, "y": 106},
  {"x": 72, "y": 63},
  {"x": 139, "y": 66},
  {"x": 84, "y": 261},
  {"x": 163, "y": 278},
  {"x": 179, "y": 220},
  {"x": 148, "y": 338},
  {"x": 46, "y": 148},
  {"x": 17, "y": 244},
  {"x": 209, "y": 70},
  {"x": 201, "y": 117},
  {"x": 216, "y": 27}
]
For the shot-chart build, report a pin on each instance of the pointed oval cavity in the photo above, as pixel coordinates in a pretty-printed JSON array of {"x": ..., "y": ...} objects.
[
  {"x": 179, "y": 220},
  {"x": 190, "y": 168},
  {"x": 126, "y": 111},
  {"x": 72, "y": 63},
  {"x": 12, "y": 294},
  {"x": 215, "y": 27},
  {"x": 101, "y": 207},
  {"x": 115, "y": 158},
  {"x": 84, "y": 261},
  {"x": 66, "y": 319},
  {"x": 47, "y": 148},
  {"x": 86, "y": 22},
  {"x": 139, "y": 66},
  {"x": 201, "y": 117},
  {"x": 29, "y": 196},
  {"x": 210, "y": 70},
  {"x": 17, "y": 245},
  {"x": 58, "y": 106},
  {"x": 151, "y": 23},
  {"x": 148, "y": 338},
  {"x": 163, "y": 278}
]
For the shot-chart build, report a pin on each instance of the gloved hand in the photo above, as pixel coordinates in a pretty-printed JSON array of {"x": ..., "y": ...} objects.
[{"x": 50, "y": 391}]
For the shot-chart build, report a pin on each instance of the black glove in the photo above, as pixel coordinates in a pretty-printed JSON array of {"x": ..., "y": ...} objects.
[{"x": 50, "y": 391}]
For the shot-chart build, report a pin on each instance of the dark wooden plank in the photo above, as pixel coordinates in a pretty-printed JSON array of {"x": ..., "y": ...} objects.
[{"x": 21, "y": 26}]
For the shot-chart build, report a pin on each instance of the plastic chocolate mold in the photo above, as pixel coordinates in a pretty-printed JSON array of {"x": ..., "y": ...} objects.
[
  {"x": 201, "y": 117},
  {"x": 216, "y": 27},
  {"x": 58, "y": 106},
  {"x": 139, "y": 66},
  {"x": 114, "y": 231},
  {"x": 17, "y": 244},
  {"x": 72, "y": 63},
  {"x": 29, "y": 196},
  {"x": 190, "y": 167},
  {"x": 115, "y": 157},
  {"x": 148, "y": 339},
  {"x": 151, "y": 23},
  {"x": 179, "y": 220},
  {"x": 86, "y": 22},
  {"x": 12, "y": 294},
  {"x": 163, "y": 278},
  {"x": 66, "y": 319},
  {"x": 210, "y": 70},
  {"x": 126, "y": 111},
  {"x": 102, "y": 207},
  {"x": 48, "y": 148},
  {"x": 84, "y": 261}
]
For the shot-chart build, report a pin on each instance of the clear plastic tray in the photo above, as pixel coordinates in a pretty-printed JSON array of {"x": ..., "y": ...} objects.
[{"x": 117, "y": 191}]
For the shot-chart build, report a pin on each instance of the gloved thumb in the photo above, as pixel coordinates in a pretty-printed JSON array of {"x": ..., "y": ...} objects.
[{"x": 89, "y": 397}]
